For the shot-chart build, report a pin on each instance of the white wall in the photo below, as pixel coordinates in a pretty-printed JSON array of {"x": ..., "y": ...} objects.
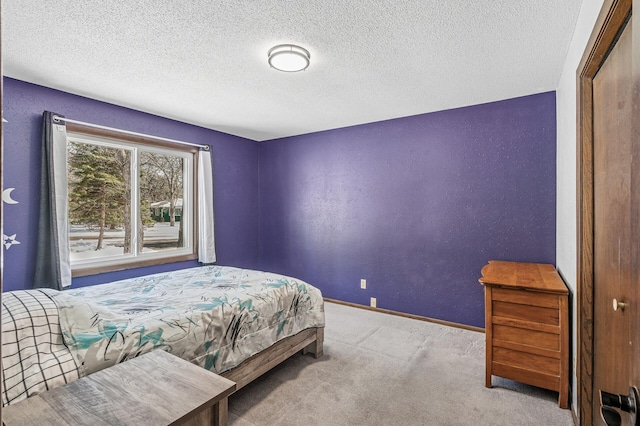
[{"x": 566, "y": 253}]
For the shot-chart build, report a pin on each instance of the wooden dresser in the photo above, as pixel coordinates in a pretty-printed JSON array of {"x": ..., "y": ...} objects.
[{"x": 527, "y": 325}]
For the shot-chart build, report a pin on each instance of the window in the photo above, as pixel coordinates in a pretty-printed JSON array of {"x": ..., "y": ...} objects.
[{"x": 131, "y": 201}]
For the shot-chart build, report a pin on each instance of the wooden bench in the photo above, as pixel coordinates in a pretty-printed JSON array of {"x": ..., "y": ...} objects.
[{"x": 153, "y": 389}]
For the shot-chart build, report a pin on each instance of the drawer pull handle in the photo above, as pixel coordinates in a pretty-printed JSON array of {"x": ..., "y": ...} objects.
[{"x": 618, "y": 305}]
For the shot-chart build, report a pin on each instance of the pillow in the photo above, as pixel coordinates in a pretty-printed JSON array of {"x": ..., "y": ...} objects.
[{"x": 34, "y": 355}]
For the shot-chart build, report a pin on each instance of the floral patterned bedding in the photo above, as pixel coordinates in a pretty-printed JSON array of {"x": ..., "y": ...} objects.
[{"x": 213, "y": 316}]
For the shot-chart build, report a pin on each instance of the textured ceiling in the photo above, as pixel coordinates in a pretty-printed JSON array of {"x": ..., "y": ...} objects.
[{"x": 205, "y": 62}]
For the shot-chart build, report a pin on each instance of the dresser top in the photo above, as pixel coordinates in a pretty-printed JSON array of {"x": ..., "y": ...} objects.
[{"x": 532, "y": 276}]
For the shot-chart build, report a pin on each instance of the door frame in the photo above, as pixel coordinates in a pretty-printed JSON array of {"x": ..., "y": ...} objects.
[{"x": 612, "y": 17}]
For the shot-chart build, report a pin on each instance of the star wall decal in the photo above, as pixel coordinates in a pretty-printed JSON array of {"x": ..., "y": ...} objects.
[{"x": 9, "y": 241}]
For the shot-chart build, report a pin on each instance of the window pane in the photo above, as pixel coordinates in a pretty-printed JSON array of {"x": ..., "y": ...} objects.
[
  {"x": 161, "y": 202},
  {"x": 131, "y": 203},
  {"x": 99, "y": 200}
]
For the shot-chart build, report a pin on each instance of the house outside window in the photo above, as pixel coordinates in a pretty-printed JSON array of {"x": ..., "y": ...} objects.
[{"x": 131, "y": 201}]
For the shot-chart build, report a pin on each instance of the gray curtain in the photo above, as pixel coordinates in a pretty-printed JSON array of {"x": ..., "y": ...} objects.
[{"x": 52, "y": 268}]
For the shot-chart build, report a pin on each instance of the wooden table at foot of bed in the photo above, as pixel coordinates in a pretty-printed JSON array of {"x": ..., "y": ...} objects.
[{"x": 153, "y": 389}]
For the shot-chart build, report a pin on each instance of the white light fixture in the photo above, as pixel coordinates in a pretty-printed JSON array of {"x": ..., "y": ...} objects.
[{"x": 289, "y": 58}]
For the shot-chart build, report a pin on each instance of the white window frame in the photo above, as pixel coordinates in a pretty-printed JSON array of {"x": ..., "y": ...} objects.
[{"x": 135, "y": 259}]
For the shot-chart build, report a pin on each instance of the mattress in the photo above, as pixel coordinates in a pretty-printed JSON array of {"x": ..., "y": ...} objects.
[{"x": 213, "y": 316}]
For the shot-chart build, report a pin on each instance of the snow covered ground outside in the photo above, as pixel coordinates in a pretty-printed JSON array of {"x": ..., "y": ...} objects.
[{"x": 83, "y": 241}]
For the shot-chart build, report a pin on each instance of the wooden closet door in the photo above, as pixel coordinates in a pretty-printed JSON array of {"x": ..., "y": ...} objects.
[
  {"x": 616, "y": 221},
  {"x": 634, "y": 295}
]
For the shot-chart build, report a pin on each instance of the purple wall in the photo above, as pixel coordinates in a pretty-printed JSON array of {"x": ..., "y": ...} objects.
[
  {"x": 415, "y": 205},
  {"x": 235, "y": 163}
]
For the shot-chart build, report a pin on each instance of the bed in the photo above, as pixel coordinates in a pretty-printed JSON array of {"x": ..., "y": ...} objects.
[{"x": 238, "y": 323}]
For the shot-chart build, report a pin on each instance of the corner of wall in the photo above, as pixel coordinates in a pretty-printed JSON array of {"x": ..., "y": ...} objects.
[{"x": 566, "y": 139}]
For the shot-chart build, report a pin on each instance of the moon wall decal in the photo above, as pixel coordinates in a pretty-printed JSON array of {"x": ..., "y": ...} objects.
[{"x": 6, "y": 196}]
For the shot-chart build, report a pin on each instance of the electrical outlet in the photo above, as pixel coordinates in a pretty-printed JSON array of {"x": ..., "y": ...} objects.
[
  {"x": 373, "y": 302},
  {"x": 363, "y": 283}
]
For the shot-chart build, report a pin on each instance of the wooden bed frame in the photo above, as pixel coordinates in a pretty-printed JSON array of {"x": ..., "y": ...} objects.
[{"x": 307, "y": 341}]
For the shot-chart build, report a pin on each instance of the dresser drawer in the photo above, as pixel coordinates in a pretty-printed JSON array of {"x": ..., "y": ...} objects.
[
  {"x": 534, "y": 378},
  {"x": 529, "y": 361},
  {"x": 537, "y": 314},
  {"x": 538, "y": 339},
  {"x": 524, "y": 297}
]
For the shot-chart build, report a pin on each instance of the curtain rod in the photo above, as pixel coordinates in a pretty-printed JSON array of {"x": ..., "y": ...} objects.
[{"x": 57, "y": 119}]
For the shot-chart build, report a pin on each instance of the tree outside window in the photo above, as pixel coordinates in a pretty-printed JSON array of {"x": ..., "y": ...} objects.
[{"x": 127, "y": 200}]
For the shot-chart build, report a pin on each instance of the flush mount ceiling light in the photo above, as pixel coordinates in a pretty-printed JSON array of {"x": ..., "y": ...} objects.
[{"x": 289, "y": 58}]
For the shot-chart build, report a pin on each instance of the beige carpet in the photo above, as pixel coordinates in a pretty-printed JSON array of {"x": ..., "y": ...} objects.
[{"x": 381, "y": 369}]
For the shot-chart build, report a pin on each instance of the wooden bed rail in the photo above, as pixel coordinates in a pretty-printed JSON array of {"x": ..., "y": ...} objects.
[{"x": 308, "y": 341}]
